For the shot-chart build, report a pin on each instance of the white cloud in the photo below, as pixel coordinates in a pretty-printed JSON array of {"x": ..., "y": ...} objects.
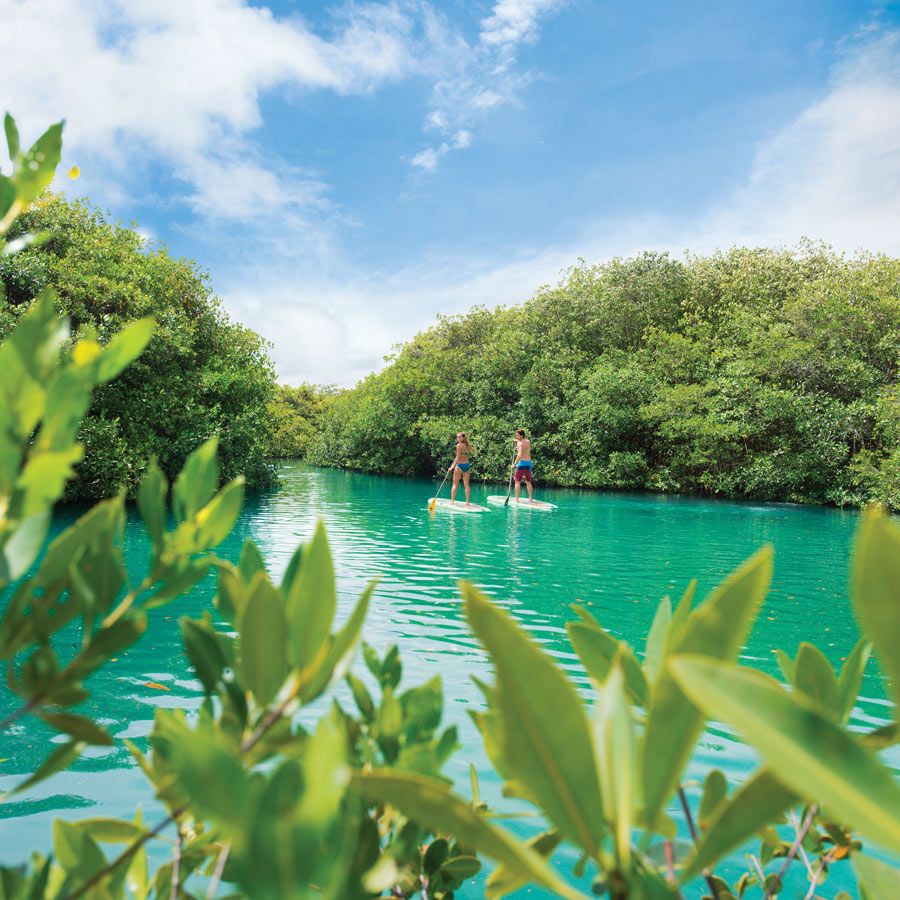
[
  {"x": 427, "y": 159},
  {"x": 833, "y": 174},
  {"x": 514, "y": 21},
  {"x": 476, "y": 78},
  {"x": 142, "y": 80}
]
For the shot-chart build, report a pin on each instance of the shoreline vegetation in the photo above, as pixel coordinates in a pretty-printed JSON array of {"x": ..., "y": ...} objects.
[
  {"x": 758, "y": 374},
  {"x": 201, "y": 375}
]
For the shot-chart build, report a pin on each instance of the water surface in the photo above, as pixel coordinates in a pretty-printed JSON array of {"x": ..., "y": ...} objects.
[{"x": 615, "y": 553}]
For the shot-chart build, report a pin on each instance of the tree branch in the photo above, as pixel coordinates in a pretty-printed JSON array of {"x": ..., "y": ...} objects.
[
  {"x": 798, "y": 840},
  {"x": 707, "y": 874}
]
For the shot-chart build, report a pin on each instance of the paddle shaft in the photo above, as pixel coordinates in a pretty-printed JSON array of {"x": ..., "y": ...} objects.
[{"x": 434, "y": 499}]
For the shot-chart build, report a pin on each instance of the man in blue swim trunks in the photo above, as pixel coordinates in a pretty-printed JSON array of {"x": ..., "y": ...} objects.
[{"x": 523, "y": 464}]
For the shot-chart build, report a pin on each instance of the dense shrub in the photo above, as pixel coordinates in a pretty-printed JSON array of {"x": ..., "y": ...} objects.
[
  {"x": 295, "y": 416},
  {"x": 767, "y": 374},
  {"x": 201, "y": 374}
]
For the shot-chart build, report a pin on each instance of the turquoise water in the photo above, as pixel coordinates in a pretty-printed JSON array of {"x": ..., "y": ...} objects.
[{"x": 617, "y": 554}]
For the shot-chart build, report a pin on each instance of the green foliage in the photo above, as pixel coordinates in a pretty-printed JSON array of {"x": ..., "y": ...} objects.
[
  {"x": 200, "y": 375},
  {"x": 753, "y": 373},
  {"x": 353, "y": 803},
  {"x": 295, "y": 416}
]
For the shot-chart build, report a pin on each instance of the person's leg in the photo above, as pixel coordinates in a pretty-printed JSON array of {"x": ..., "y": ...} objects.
[
  {"x": 455, "y": 485},
  {"x": 528, "y": 484},
  {"x": 518, "y": 477},
  {"x": 466, "y": 486}
]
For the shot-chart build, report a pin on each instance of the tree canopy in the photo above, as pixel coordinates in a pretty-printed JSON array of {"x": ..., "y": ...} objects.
[
  {"x": 758, "y": 373},
  {"x": 201, "y": 374}
]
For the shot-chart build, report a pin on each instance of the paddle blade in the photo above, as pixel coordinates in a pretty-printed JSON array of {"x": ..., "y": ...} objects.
[{"x": 432, "y": 504}]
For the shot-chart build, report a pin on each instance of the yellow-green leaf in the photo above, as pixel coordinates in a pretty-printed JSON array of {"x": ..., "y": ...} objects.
[
  {"x": 430, "y": 803},
  {"x": 807, "y": 751},
  {"x": 546, "y": 738}
]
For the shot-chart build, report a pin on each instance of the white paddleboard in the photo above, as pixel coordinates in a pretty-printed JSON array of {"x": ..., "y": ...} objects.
[
  {"x": 521, "y": 503},
  {"x": 458, "y": 507}
]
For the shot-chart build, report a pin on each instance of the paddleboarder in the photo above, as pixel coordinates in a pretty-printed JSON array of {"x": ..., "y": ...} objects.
[
  {"x": 522, "y": 464},
  {"x": 461, "y": 466}
]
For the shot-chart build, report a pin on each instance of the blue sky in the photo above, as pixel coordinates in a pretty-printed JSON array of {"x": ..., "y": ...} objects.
[{"x": 348, "y": 171}]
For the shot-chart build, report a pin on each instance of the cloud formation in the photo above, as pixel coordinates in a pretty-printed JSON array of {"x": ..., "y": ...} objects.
[
  {"x": 141, "y": 80},
  {"x": 478, "y": 77},
  {"x": 832, "y": 173}
]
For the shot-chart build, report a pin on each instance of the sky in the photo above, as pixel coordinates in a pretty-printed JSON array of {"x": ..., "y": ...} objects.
[{"x": 348, "y": 171}]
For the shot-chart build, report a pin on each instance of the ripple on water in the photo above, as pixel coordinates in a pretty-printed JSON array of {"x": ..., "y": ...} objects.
[{"x": 616, "y": 554}]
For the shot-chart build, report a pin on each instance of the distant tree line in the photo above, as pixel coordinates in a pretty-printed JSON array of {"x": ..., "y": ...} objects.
[{"x": 757, "y": 373}]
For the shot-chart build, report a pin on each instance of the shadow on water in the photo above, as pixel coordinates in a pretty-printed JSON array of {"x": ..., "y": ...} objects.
[{"x": 615, "y": 553}]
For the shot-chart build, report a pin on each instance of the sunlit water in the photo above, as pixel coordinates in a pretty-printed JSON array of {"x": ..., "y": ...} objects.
[{"x": 616, "y": 553}]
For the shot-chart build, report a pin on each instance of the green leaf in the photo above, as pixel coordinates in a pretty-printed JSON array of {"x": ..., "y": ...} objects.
[
  {"x": 151, "y": 501},
  {"x": 851, "y": 677},
  {"x": 681, "y": 616},
  {"x": 326, "y": 761},
  {"x": 197, "y": 481},
  {"x": 760, "y": 800},
  {"x": 656, "y": 640},
  {"x": 262, "y": 640},
  {"x": 251, "y": 562},
  {"x": 217, "y": 518},
  {"x": 810, "y": 754},
  {"x": 203, "y": 651},
  {"x": 111, "y": 831},
  {"x": 12, "y": 137},
  {"x": 877, "y": 879},
  {"x": 717, "y": 628},
  {"x": 875, "y": 588},
  {"x": 110, "y": 640},
  {"x": 22, "y": 548},
  {"x": 75, "y": 851},
  {"x": 39, "y": 164},
  {"x": 546, "y": 737},
  {"x": 79, "y": 727},
  {"x": 7, "y": 198},
  {"x": 124, "y": 348},
  {"x": 340, "y": 654},
  {"x": 615, "y": 747},
  {"x": 430, "y": 803},
  {"x": 814, "y": 677},
  {"x": 210, "y": 774},
  {"x": 597, "y": 648},
  {"x": 361, "y": 697},
  {"x": 179, "y": 581},
  {"x": 787, "y": 666},
  {"x": 311, "y": 602},
  {"x": 460, "y": 868},
  {"x": 505, "y": 880},
  {"x": 61, "y": 758},
  {"x": 715, "y": 790}
]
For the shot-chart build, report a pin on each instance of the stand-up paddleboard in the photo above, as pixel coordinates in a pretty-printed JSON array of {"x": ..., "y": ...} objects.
[
  {"x": 458, "y": 507},
  {"x": 521, "y": 503}
]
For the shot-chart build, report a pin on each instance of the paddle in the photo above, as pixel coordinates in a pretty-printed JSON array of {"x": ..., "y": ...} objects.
[
  {"x": 512, "y": 471},
  {"x": 433, "y": 500}
]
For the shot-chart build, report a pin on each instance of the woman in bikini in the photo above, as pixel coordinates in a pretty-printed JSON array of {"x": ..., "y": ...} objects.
[{"x": 460, "y": 466}]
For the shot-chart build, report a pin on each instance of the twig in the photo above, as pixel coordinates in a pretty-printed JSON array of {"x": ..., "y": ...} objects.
[
  {"x": 127, "y": 853},
  {"x": 217, "y": 874},
  {"x": 707, "y": 875},
  {"x": 815, "y": 877},
  {"x": 176, "y": 867},
  {"x": 798, "y": 840},
  {"x": 803, "y": 855},
  {"x": 670, "y": 865}
]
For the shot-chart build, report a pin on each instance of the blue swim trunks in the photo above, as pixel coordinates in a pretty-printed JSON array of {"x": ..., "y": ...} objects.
[{"x": 464, "y": 467}]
